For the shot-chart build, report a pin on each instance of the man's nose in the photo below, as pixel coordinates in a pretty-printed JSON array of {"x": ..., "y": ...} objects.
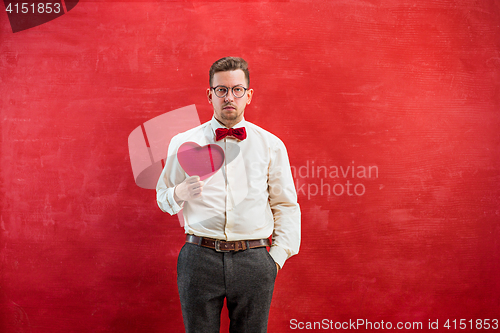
[{"x": 229, "y": 96}]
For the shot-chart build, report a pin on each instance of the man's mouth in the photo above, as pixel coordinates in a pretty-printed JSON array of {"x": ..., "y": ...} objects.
[{"x": 228, "y": 107}]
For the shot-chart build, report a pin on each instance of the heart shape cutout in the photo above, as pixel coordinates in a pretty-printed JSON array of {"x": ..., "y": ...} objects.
[{"x": 198, "y": 160}]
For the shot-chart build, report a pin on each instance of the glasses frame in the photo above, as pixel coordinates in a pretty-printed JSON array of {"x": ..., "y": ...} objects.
[{"x": 232, "y": 90}]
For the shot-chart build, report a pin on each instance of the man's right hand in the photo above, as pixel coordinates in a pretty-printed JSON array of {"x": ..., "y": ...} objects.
[{"x": 189, "y": 189}]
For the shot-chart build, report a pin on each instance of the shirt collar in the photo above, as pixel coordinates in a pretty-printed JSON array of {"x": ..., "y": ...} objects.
[{"x": 215, "y": 124}]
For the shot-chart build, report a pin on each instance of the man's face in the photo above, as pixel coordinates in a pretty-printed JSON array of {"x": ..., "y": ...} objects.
[{"x": 229, "y": 109}]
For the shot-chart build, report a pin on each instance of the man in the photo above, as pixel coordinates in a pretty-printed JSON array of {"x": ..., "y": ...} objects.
[{"x": 230, "y": 216}]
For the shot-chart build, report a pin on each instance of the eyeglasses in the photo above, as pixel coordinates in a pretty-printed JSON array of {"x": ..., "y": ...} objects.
[{"x": 221, "y": 91}]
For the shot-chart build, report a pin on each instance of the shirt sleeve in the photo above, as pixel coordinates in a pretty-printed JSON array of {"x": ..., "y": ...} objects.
[
  {"x": 171, "y": 176},
  {"x": 284, "y": 206}
]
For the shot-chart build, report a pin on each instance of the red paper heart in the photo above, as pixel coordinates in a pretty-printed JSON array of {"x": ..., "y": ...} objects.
[{"x": 200, "y": 161}]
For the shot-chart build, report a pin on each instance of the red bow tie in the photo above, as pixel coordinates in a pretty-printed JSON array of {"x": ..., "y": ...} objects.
[{"x": 239, "y": 133}]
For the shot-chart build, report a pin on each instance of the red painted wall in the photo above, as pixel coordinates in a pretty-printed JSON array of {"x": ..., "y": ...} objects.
[{"x": 408, "y": 90}]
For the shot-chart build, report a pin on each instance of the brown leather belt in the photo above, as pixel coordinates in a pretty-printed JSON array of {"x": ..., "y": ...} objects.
[{"x": 227, "y": 246}]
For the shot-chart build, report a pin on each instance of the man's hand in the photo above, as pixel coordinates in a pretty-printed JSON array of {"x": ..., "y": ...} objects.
[{"x": 189, "y": 189}]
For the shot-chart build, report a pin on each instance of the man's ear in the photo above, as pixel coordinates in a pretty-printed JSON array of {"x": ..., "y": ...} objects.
[
  {"x": 209, "y": 95},
  {"x": 249, "y": 94}
]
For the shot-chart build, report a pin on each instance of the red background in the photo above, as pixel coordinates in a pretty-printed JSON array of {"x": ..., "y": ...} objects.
[{"x": 411, "y": 87}]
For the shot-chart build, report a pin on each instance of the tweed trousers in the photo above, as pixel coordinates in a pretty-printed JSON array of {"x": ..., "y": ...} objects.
[{"x": 245, "y": 278}]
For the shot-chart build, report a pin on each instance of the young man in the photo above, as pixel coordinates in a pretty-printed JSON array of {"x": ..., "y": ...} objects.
[{"x": 230, "y": 216}]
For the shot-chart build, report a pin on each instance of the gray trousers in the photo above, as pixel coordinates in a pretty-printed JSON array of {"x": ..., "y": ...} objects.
[{"x": 245, "y": 278}]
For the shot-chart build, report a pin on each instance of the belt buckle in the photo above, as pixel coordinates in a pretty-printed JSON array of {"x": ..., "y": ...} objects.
[{"x": 217, "y": 246}]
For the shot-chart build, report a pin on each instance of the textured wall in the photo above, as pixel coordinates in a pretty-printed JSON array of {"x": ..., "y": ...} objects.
[{"x": 403, "y": 93}]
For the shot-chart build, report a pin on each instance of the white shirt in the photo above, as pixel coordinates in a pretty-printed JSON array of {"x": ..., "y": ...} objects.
[{"x": 252, "y": 196}]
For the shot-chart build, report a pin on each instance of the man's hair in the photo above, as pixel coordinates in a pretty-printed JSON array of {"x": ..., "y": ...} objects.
[{"x": 229, "y": 64}]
